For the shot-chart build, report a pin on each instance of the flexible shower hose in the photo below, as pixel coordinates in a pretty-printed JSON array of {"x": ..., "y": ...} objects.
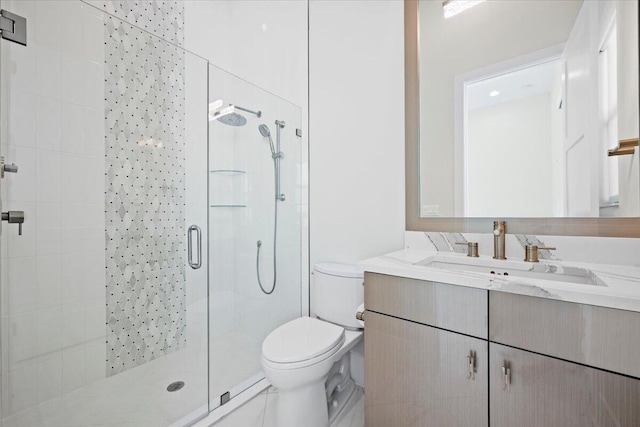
[{"x": 275, "y": 239}]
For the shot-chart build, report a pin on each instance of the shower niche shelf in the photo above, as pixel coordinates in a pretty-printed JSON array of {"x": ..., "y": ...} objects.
[
  {"x": 228, "y": 189},
  {"x": 228, "y": 171}
]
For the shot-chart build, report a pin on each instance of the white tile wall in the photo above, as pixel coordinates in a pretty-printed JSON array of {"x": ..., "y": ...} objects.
[
  {"x": 53, "y": 284},
  {"x": 22, "y": 107},
  {"x": 49, "y": 280},
  {"x": 47, "y": 119},
  {"x": 49, "y": 378}
]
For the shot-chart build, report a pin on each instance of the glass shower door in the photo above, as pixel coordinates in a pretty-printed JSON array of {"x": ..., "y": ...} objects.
[
  {"x": 248, "y": 129},
  {"x": 103, "y": 317}
]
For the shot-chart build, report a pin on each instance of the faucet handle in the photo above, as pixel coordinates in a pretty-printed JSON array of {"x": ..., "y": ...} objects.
[
  {"x": 14, "y": 217},
  {"x": 472, "y": 248},
  {"x": 531, "y": 252}
]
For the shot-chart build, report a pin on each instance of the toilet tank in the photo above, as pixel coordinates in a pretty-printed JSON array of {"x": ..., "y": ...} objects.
[{"x": 338, "y": 291}]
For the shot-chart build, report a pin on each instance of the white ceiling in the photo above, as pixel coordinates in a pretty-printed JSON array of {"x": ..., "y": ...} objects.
[{"x": 530, "y": 81}]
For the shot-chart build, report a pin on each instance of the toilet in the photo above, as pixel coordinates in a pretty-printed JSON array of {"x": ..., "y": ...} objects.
[{"x": 307, "y": 359}]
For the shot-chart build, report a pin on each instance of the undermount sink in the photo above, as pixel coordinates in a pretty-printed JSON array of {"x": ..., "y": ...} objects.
[{"x": 539, "y": 271}]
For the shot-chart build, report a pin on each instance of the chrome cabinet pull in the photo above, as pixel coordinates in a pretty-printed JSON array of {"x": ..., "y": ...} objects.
[
  {"x": 471, "y": 366},
  {"x": 192, "y": 264},
  {"x": 506, "y": 375}
]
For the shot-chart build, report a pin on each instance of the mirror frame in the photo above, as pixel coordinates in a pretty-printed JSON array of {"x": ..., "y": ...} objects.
[{"x": 597, "y": 227}]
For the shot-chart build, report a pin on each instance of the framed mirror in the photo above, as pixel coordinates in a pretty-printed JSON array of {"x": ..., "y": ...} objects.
[{"x": 525, "y": 110}]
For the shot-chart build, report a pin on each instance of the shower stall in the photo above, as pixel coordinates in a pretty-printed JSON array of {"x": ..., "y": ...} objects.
[{"x": 141, "y": 179}]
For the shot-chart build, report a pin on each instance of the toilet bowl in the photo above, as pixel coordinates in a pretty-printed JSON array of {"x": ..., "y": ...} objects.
[{"x": 307, "y": 359}]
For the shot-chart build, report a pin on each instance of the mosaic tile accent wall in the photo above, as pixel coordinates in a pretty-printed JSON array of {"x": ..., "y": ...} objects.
[
  {"x": 145, "y": 196},
  {"x": 164, "y": 19}
]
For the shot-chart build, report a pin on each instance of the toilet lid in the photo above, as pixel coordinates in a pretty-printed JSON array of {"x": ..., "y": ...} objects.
[
  {"x": 301, "y": 339},
  {"x": 340, "y": 270}
]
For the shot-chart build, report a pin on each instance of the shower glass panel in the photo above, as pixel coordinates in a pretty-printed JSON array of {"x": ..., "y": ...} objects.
[
  {"x": 242, "y": 196},
  {"x": 102, "y": 318}
]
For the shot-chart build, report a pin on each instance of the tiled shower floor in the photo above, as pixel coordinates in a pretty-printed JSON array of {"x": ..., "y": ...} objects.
[
  {"x": 260, "y": 412},
  {"x": 138, "y": 397}
]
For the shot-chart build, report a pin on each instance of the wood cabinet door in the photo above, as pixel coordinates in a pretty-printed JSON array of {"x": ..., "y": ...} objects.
[
  {"x": 532, "y": 390},
  {"x": 417, "y": 375}
]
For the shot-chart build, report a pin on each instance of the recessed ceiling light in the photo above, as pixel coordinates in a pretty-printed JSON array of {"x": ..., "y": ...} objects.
[
  {"x": 454, "y": 7},
  {"x": 494, "y": 93}
]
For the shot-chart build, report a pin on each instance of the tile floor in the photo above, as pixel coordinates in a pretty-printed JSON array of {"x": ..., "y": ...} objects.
[
  {"x": 260, "y": 412},
  {"x": 142, "y": 401},
  {"x": 138, "y": 397}
]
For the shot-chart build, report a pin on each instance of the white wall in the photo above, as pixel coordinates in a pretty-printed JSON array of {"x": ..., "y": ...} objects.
[
  {"x": 510, "y": 159},
  {"x": 264, "y": 42},
  {"x": 356, "y": 104}
]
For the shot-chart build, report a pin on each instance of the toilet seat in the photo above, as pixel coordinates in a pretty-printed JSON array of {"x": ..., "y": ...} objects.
[{"x": 302, "y": 342}]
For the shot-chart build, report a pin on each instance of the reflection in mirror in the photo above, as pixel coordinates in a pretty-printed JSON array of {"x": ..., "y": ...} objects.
[{"x": 529, "y": 108}]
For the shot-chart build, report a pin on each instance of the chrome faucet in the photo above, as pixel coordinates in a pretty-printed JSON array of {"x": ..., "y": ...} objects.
[{"x": 499, "y": 231}]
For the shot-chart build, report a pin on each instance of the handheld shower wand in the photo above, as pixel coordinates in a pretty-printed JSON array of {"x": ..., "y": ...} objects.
[
  {"x": 264, "y": 131},
  {"x": 276, "y": 155}
]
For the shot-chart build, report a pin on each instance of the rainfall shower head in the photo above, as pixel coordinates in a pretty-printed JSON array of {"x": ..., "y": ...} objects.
[
  {"x": 232, "y": 119},
  {"x": 229, "y": 115}
]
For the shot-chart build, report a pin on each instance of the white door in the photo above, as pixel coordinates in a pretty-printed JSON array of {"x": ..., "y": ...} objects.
[{"x": 581, "y": 115}]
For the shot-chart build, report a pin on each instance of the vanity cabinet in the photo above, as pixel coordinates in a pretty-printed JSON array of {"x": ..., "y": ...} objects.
[
  {"x": 420, "y": 370},
  {"x": 533, "y": 390},
  {"x": 558, "y": 363},
  {"x": 600, "y": 337},
  {"x": 535, "y": 361},
  {"x": 454, "y": 308},
  {"x": 418, "y": 375}
]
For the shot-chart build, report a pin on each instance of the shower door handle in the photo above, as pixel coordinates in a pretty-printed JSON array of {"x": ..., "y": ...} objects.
[{"x": 192, "y": 264}]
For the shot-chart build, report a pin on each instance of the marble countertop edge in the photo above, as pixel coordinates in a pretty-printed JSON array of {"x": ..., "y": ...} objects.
[{"x": 622, "y": 290}]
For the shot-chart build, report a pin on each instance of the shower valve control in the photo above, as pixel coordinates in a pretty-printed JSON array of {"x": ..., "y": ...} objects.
[
  {"x": 4, "y": 168},
  {"x": 14, "y": 217}
]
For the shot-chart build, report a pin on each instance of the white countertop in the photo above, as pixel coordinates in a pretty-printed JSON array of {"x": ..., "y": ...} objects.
[{"x": 618, "y": 286}]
